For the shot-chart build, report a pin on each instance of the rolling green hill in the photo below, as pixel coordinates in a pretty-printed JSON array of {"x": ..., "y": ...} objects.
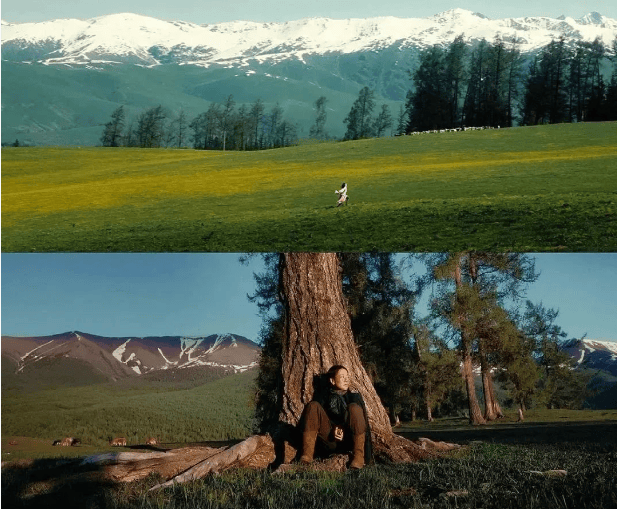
[
  {"x": 58, "y": 105},
  {"x": 217, "y": 410},
  {"x": 545, "y": 188}
]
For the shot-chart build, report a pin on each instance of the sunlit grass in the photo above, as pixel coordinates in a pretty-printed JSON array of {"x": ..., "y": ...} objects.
[{"x": 498, "y": 182}]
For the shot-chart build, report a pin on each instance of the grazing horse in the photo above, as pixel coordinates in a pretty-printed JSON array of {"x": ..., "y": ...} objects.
[{"x": 120, "y": 441}]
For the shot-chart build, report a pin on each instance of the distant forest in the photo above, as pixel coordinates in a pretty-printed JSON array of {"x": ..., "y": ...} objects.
[{"x": 488, "y": 85}]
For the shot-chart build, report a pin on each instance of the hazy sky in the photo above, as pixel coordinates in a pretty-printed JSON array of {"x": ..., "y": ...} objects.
[
  {"x": 214, "y": 11},
  {"x": 202, "y": 294}
]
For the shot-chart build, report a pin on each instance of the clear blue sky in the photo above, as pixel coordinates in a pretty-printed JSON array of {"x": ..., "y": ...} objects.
[
  {"x": 214, "y": 11},
  {"x": 201, "y": 294}
]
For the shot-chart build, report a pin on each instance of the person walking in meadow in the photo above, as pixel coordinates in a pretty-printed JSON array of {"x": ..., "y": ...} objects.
[
  {"x": 342, "y": 192},
  {"x": 335, "y": 421}
]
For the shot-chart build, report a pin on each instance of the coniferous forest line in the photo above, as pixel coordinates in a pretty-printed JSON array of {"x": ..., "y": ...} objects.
[
  {"x": 490, "y": 84},
  {"x": 478, "y": 320}
]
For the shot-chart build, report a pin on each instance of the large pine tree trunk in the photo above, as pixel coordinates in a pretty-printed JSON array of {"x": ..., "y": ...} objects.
[
  {"x": 475, "y": 414},
  {"x": 319, "y": 336},
  {"x": 492, "y": 410}
]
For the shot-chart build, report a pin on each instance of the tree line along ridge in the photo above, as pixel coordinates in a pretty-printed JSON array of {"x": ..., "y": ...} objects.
[{"x": 488, "y": 85}]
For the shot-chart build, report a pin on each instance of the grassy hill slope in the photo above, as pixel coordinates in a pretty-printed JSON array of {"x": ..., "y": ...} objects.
[
  {"x": 218, "y": 410},
  {"x": 50, "y": 105},
  {"x": 529, "y": 189}
]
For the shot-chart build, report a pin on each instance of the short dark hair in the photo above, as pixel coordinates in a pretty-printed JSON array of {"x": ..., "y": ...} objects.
[{"x": 334, "y": 370}]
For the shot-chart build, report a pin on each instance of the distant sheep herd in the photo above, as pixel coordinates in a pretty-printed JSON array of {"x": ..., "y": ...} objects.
[
  {"x": 115, "y": 442},
  {"x": 454, "y": 130}
]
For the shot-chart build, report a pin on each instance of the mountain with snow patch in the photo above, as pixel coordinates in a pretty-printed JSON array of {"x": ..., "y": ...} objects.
[
  {"x": 112, "y": 359},
  {"x": 62, "y": 79},
  {"x": 595, "y": 354}
]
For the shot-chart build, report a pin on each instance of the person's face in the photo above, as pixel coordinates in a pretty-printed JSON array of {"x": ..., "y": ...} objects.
[{"x": 341, "y": 380}]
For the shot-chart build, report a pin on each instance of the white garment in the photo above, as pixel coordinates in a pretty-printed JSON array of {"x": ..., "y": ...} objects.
[{"x": 343, "y": 193}]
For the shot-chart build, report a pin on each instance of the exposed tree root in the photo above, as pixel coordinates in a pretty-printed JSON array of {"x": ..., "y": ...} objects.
[{"x": 257, "y": 451}]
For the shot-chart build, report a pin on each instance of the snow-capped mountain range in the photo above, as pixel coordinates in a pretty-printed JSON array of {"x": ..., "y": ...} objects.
[
  {"x": 148, "y": 41},
  {"x": 117, "y": 358},
  {"x": 62, "y": 79}
]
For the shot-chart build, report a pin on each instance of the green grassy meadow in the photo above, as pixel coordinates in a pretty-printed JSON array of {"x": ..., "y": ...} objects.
[
  {"x": 545, "y": 188},
  {"x": 173, "y": 413}
]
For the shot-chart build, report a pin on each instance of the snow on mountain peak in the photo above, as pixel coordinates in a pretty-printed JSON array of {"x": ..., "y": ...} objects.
[{"x": 145, "y": 40}]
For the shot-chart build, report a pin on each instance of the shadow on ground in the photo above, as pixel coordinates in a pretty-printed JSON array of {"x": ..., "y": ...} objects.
[{"x": 601, "y": 434}]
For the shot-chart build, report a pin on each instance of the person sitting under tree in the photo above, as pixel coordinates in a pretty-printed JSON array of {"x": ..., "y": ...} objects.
[
  {"x": 343, "y": 194},
  {"x": 335, "y": 421}
]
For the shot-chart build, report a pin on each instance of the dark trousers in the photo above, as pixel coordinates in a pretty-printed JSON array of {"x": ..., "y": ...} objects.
[{"x": 316, "y": 419}]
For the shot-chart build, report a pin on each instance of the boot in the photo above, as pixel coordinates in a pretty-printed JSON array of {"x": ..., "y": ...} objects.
[
  {"x": 358, "y": 451},
  {"x": 308, "y": 446}
]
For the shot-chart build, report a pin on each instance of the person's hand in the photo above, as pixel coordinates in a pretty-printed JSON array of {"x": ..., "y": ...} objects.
[{"x": 338, "y": 433}]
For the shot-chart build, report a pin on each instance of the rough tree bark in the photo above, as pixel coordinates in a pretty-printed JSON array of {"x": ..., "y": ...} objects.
[{"x": 318, "y": 335}]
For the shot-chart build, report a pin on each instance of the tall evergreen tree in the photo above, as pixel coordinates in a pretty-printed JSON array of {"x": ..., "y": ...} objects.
[
  {"x": 454, "y": 78},
  {"x": 255, "y": 121},
  {"x": 474, "y": 95},
  {"x": 546, "y": 99},
  {"x": 318, "y": 130},
  {"x": 438, "y": 367},
  {"x": 224, "y": 118},
  {"x": 358, "y": 121},
  {"x": 560, "y": 385},
  {"x": 480, "y": 280},
  {"x": 428, "y": 103},
  {"x": 112, "y": 134},
  {"x": 383, "y": 121},
  {"x": 518, "y": 370},
  {"x": 381, "y": 305},
  {"x": 403, "y": 120},
  {"x": 150, "y": 128}
]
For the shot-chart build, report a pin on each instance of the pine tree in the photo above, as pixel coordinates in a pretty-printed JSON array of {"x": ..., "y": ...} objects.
[
  {"x": 224, "y": 118},
  {"x": 428, "y": 104},
  {"x": 380, "y": 306},
  {"x": 318, "y": 130},
  {"x": 480, "y": 279},
  {"x": 560, "y": 385},
  {"x": 112, "y": 134},
  {"x": 454, "y": 77},
  {"x": 383, "y": 121},
  {"x": 255, "y": 121},
  {"x": 519, "y": 372},
  {"x": 150, "y": 128},
  {"x": 546, "y": 98},
  {"x": 476, "y": 90},
  {"x": 359, "y": 124},
  {"x": 438, "y": 367}
]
